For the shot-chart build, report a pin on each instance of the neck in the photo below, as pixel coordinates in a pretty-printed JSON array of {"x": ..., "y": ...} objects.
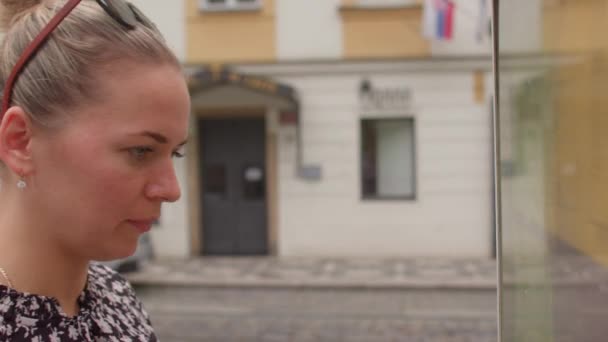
[{"x": 35, "y": 262}]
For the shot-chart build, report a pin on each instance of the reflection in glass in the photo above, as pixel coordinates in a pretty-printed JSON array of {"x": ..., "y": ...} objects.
[{"x": 554, "y": 162}]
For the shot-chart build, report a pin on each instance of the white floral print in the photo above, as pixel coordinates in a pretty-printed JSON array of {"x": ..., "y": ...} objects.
[{"x": 109, "y": 311}]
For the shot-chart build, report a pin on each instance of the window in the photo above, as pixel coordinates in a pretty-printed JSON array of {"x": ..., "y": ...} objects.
[
  {"x": 230, "y": 5},
  {"x": 254, "y": 185},
  {"x": 215, "y": 179},
  {"x": 388, "y": 169}
]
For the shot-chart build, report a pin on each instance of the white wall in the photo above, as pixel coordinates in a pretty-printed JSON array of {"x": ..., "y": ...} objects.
[
  {"x": 171, "y": 239},
  {"x": 306, "y": 30},
  {"x": 170, "y": 18},
  {"x": 452, "y": 214},
  {"x": 525, "y": 34}
]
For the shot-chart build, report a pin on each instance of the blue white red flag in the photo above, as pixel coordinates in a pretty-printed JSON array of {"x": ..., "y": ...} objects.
[{"x": 438, "y": 19}]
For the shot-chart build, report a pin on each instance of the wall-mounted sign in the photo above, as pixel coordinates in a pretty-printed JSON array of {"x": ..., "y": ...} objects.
[
  {"x": 384, "y": 98},
  {"x": 288, "y": 118},
  {"x": 254, "y": 174}
]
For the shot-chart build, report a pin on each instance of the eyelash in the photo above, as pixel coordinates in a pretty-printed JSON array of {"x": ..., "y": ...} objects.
[{"x": 140, "y": 152}]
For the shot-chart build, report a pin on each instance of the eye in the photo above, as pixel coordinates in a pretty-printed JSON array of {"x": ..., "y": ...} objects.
[
  {"x": 140, "y": 152},
  {"x": 179, "y": 153}
]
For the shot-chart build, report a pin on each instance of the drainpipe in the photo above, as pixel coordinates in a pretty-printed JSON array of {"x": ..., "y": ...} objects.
[{"x": 306, "y": 172}]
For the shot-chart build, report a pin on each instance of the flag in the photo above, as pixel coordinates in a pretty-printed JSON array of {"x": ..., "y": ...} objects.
[
  {"x": 448, "y": 20},
  {"x": 438, "y": 19},
  {"x": 428, "y": 19}
]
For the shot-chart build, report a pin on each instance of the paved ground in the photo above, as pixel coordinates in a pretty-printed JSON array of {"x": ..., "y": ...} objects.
[
  {"x": 365, "y": 273},
  {"x": 320, "y": 314},
  {"x": 332, "y": 299},
  {"x": 320, "y": 299},
  {"x": 320, "y": 272}
]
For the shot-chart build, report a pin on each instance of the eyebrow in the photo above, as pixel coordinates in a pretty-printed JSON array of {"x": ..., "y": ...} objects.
[{"x": 159, "y": 138}]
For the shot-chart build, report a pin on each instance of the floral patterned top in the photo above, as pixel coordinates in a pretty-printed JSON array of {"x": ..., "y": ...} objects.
[{"x": 109, "y": 311}]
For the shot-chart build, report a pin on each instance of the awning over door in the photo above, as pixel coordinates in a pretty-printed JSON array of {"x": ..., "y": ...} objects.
[{"x": 221, "y": 87}]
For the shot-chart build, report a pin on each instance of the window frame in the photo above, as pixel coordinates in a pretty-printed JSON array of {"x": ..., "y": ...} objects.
[
  {"x": 230, "y": 6},
  {"x": 376, "y": 197}
]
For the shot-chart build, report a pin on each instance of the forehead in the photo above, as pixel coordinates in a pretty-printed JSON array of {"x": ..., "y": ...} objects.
[{"x": 139, "y": 96}]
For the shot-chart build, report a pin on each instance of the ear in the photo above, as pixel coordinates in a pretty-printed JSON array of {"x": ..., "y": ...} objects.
[{"x": 15, "y": 141}]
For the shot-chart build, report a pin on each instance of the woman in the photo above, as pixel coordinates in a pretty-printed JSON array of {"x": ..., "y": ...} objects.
[{"x": 94, "y": 109}]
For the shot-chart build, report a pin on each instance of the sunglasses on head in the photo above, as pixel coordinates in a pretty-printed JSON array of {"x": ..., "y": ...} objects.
[{"x": 125, "y": 13}]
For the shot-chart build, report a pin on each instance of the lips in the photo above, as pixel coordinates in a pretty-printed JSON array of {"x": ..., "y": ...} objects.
[{"x": 142, "y": 226}]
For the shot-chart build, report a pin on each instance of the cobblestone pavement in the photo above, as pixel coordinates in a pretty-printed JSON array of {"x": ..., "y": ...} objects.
[
  {"x": 320, "y": 272},
  {"x": 333, "y": 299},
  {"x": 306, "y": 315},
  {"x": 363, "y": 273}
]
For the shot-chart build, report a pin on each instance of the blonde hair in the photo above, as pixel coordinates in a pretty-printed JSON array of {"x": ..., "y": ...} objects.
[{"x": 62, "y": 73}]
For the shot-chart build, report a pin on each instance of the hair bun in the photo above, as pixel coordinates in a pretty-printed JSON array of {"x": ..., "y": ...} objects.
[{"x": 11, "y": 8}]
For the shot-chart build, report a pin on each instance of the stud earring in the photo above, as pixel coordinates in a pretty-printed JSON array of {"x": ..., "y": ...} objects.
[{"x": 21, "y": 184}]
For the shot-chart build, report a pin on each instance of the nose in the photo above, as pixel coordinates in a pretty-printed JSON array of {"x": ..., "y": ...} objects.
[{"x": 164, "y": 186}]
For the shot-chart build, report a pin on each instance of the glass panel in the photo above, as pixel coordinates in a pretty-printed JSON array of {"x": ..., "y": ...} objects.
[
  {"x": 388, "y": 158},
  {"x": 215, "y": 179},
  {"x": 254, "y": 186},
  {"x": 554, "y": 164}
]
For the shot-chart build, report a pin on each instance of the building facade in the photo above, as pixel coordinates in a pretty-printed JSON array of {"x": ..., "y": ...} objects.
[{"x": 332, "y": 129}]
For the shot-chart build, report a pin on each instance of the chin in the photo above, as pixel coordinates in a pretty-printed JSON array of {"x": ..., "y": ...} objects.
[{"x": 117, "y": 252}]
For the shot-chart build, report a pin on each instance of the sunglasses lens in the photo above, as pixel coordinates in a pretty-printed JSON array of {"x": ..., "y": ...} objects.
[{"x": 119, "y": 10}]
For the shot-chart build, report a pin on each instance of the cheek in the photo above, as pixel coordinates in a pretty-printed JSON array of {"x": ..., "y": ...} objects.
[
  {"x": 111, "y": 187},
  {"x": 93, "y": 180},
  {"x": 116, "y": 186}
]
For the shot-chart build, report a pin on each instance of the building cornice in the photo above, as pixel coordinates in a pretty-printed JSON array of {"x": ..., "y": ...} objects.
[{"x": 427, "y": 64}]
